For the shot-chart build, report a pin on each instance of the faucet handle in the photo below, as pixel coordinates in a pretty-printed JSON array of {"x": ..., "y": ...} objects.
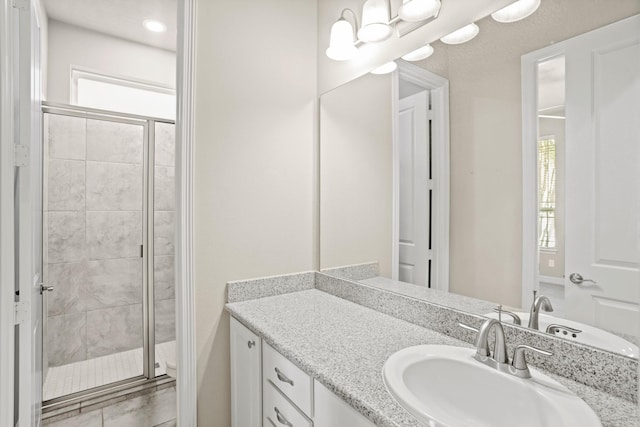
[
  {"x": 520, "y": 362},
  {"x": 501, "y": 311}
]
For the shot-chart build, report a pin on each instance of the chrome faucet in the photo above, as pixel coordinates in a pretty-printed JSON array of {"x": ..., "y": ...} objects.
[
  {"x": 500, "y": 359},
  {"x": 540, "y": 302},
  {"x": 482, "y": 343}
]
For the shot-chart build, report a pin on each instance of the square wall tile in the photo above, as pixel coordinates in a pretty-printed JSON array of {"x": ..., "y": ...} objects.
[
  {"x": 66, "y": 136},
  {"x": 164, "y": 232},
  {"x": 114, "y": 142},
  {"x": 165, "y": 320},
  {"x": 65, "y": 236},
  {"x": 164, "y": 196},
  {"x": 68, "y": 281},
  {"x": 165, "y": 147},
  {"x": 114, "y": 186},
  {"x": 66, "y": 185},
  {"x": 113, "y": 282},
  {"x": 163, "y": 277},
  {"x": 112, "y": 330},
  {"x": 113, "y": 234},
  {"x": 66, "y": 339}
]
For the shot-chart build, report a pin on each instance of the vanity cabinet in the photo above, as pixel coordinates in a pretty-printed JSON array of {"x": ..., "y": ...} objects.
[
  {"x": 269, "y": 390},
  {"x": 246, "y": 382}
]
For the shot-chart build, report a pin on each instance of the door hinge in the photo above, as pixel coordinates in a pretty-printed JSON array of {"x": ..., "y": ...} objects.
[
  {"x": 429, "y": 114},
  {"x": 21, "y": 312},
  {"x": 20, "y": 155},
  {"x": 141, "y": 251},
  {"x": 430, "y": 184},
  {"x": 20, "y": 4}
]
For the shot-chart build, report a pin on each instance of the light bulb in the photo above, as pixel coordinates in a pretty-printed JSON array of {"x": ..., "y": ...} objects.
[
  {"x": 516, "y": 11},
  {"x": 154, "y": 26},
  {"x": 461, "y": 35},
  {"x": 341, "y": 47},
  {"x": 385, "y": 68},
  {"x": 375, "y": 21},
  {"x": 418, "y": 10},
  {"x": 419, "y": 54}
]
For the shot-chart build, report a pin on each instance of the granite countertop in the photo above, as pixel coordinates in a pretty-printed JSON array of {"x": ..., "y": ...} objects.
[{"x": 344, "y": 346}]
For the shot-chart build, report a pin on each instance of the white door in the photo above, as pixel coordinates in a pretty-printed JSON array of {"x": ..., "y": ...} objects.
[
  {"x": 414, "y": 189},
  {"x": 602, "y": 170},
  {"x": 28, "y": 217}
]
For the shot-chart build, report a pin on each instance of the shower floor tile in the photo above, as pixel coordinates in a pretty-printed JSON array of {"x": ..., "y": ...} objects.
[{"x": 80, "y": 376}]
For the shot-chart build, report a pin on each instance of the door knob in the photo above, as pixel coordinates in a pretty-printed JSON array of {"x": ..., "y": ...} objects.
[
  {"x": 578, "y": 279},
  {"x": 45, "y": 288}
]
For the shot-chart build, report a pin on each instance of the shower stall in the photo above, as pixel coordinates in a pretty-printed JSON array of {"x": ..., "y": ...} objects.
[{"x": 108, "y": 213}]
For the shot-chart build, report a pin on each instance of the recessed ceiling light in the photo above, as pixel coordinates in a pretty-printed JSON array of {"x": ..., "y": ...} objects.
[{"x": 154, "y": 26}]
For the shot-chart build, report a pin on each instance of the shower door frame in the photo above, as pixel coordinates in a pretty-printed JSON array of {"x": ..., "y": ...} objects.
[{"x": 148, "y": 295}]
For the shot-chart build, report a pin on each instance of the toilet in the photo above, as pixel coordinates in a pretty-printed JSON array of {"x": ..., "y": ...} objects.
[{"x": 170, "y": 364}]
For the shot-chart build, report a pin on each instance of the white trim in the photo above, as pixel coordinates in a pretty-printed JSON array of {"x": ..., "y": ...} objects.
[
  {"x": 89, "y": 74},
  {"x": 395, "y": 176},
  {"x": 185, "y": 283},
  {"x": 551, "y": 280},
  {"x": 7, "y": 273},
  {"x": 530, "y": 252},
  {"x": 439, "y": 87}
]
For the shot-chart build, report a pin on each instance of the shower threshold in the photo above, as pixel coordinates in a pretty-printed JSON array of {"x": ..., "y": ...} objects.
[{"x": 87, "y": 374}]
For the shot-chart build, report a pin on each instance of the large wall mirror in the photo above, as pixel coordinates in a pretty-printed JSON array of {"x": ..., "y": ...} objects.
[{"x": 495, "y": 168}]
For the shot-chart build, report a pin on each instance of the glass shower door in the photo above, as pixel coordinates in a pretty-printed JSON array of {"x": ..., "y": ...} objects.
[{"x": 94, "y": 227}]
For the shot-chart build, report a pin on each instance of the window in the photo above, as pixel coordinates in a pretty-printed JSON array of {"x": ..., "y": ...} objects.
[
  {"x": 126, "y": 96},
  {"x": 547, "y": 192}
]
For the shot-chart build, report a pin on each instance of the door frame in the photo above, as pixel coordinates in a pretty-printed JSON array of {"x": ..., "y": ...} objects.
[
  {"x": 185, "y": 285},
  {"x": 439, "y": 88},
  {"x": 530, "y": 255}
]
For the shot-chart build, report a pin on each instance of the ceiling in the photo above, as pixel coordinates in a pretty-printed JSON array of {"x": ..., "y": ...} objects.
[{"x": 119, "y": 18}]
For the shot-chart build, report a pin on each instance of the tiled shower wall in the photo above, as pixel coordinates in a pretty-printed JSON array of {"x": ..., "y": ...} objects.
[{"x": 93, "y": 228}]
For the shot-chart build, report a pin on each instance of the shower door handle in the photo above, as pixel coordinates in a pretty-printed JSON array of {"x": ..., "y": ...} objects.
[{"x": 45, "y": 288}]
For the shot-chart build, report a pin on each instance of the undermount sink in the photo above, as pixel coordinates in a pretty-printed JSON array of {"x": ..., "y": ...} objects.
[
  {"x": 589, "y": 335},
  {"x": 445, "y": 386}
]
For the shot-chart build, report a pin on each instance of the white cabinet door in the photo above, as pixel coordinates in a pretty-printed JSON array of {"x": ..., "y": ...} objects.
[
  {"x": 331, "y": 411},
  {"x": 246, "y": 377}
]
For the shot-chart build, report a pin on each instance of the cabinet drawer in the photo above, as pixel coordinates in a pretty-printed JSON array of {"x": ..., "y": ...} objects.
[
  {"x": 278, "y": 411},
  {"x": 288, "y": 378}
]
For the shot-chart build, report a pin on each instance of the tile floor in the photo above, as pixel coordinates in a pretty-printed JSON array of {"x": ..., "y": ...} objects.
[
  {"x": 556, "y": 295},
  {"x": 79, "y": 376},
  {"x": 157, "y": 409}
]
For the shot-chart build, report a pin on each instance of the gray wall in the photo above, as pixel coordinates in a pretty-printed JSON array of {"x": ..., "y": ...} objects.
[{"x": 93, "y": 231}]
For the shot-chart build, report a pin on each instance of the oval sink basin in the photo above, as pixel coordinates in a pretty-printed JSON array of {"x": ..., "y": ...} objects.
[
  {"x": 590, "y": 335},
  {"x": 446, "y": 386}
]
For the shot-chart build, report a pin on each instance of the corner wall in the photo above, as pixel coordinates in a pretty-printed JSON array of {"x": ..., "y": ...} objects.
[{"x": 255, "y": 164}]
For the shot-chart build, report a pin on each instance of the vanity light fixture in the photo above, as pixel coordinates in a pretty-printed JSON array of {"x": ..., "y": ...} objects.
[
  {"x": 385, "y": 68},
  {"x": 516, "y": 11},
  {"x": 375, "y": 21},
  {"x": 419, "y": 54},
  {"x": 418, "y": 10},
  {"x": 461, "y": 35},
  {"x": 154, "y": 26},
  {"x": 342, "y": 41}
]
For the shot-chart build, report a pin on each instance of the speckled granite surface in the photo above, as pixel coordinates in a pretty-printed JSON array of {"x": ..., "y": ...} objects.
[
  {"x": 448, "y": 299},
  {"x": 344, "y": 346},
  {"x": 242, "y": 290},
  {"x": 604, "y": 370},
  {"x": 363, "y": 271}
]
